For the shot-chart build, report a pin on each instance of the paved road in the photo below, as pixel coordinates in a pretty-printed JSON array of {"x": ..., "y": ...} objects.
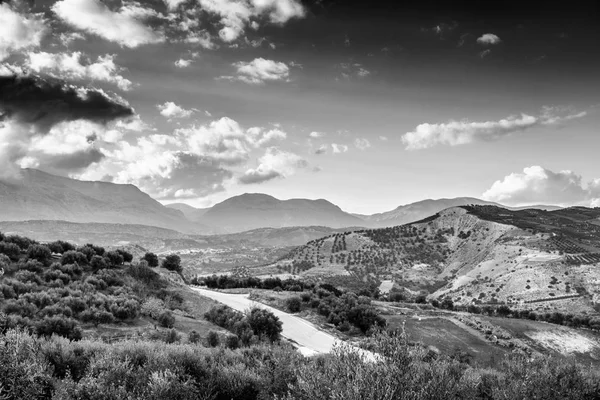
[{"x": 309, "y": 339}]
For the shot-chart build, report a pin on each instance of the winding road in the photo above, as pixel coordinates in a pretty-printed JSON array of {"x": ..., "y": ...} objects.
[{"x": 309, "y": 339}]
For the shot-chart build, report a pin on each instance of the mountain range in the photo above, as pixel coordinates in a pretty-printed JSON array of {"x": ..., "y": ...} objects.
[{"x": 42, "y": 196}]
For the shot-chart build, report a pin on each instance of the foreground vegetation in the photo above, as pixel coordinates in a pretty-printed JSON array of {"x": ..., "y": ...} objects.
[{"x": 55, "y": 368}]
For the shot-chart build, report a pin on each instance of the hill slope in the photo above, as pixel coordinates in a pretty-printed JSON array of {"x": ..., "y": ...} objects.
[
  {"x": 42, "y": 196},
  {"x": 252, "y": 211},
  {"x": 191, "y": 213},
  {"x": 479, "y": 254},
  {"x": 412, "y": 212}
]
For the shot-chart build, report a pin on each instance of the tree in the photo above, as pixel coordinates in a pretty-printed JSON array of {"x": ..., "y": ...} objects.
[
  {"x": 114, "y": 258},
  {"x": 213, "y": 339},
  {"x": 127, "y": 256},
  {"x": 166, "y": 319},
  {"x": 173, "y": 263},
  {"x": 265, "y": 323},
  {"x": 72, "y": 257},
  {"x": 39, "y": 252},
  {"x": 151, "y": 259},
  {"x": 11, "y": 250},
  {"x": 193, "y": 337},
  {"x": 294, "y": 304},
  {"x": 98, "y": 263}
]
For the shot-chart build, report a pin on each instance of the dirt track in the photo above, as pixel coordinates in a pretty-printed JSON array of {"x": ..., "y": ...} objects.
[{"x": 309, "y": 339}]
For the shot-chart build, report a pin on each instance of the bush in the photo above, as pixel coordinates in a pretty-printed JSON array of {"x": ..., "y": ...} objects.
[
  {"x": 127, "y": 256},
  {"x": 264, "y": 323},
  {"x": 166, "y": 319},
  {"x": 172, "y": 337},
  {"x": 72, "y": 257},
  {"x": 294, "y": 304},
  {"x": 193, "y": 337},
  {"x": 39, "y": 253},
  {"x": 212, "y": 339},
  {"x": 151, "y": 259},
  {"x": 173, "y": 263},
  {"x": 114, "y": 258},
  {"x": 11, "y": 250},
  {"x": 232, "y": 342}
]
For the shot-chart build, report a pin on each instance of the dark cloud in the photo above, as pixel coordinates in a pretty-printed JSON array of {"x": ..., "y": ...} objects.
[
  {"x": 75, "y": 161},
  {"x": 258, "y": 176},
  {"x": 44, "y": 103}
]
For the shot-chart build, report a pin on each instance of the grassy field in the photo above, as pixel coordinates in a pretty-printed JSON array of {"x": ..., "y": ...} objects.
[{"x": 447, "y": 337}]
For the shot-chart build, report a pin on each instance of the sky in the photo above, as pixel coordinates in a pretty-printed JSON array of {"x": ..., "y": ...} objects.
[{"x": 369, "y": 105}]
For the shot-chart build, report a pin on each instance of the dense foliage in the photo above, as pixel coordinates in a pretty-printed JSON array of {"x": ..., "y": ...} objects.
[
  {"x": 54, "y": 288},
  {"x": 38, "y": 368},
  {"x": 252, "y": 327}
]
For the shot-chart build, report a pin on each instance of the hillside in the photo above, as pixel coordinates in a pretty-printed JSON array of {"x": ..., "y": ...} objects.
[
  {"x": 474, "y": 255},
  {"x": 42, "y": 196},
  {"x": 252, "y": 211},
  {"x": 412, "y": 212}
]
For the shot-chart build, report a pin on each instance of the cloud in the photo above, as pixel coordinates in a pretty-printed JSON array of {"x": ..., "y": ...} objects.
[
  {"x": 350, "y": 70},
  {"x": 316, "y": 135},
  {"x": 383, "y": 138},
  {"x": 362, "y": 144},
  {"x": 338, "y": 148},
  {"x": 484, "y": 53},
  {"x": 321, "y": 150},
  {"x": 33, "y": 108},
  {"x": 70, "y": 66},
  {"x": 237, "y": 15},
  {"x": 538, "y": 185},
  {"x": 181, "y": 63},
  {"x": 273, "y": 164},
  {"x": 171, "y": 110},
  {"x": 124, "y": 26},
  {"x": 174, "y": 4},
  {"x": 259, "y": 137},
  {"x": 44, "y": 103},
  {"x": 456, "y": 133},
  {"x": 18, "y": 32},
  {"x": 488, "y": 39},
  {"x": 259, "y": 71}
]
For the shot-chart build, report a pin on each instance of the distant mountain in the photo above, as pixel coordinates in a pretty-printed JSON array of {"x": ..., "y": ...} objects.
[
  {"x": 191, "y": 213},
  {"x": 255, "y": 210},
  {"x": 422, "y": 209},
  {"x": 42, "y": 196}
]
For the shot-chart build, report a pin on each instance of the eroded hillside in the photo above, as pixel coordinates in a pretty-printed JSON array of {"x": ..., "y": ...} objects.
[{"x": 474, "y": 255}]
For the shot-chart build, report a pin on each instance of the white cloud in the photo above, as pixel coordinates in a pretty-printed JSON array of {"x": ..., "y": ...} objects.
[
  {"x": 171, "y": 110},
  {"x": 484, "y": 53},
  {"x": 64, "y": 65},
  {"x": 19, "y": 32},
  {"x": 273, "y": 164},
  {"x": 124, "y": 26},
  {"x": 488, "y": 39},
  {"x": 455, "y": 133},
  {"x": 237, "y": 15},
  {"x": 338, "y": 148},
  {"x": 383, "y": 138},
  {"x": 182, "y": 63},
  {"x": 537, "y": 185},
  {"x": 350, "y": 70},
  {"x": 259, "y": 137},
  {"x": 362, "y": 144},
  {"x": 316, "y": 135},
  {"x": 259, "y": 71}
]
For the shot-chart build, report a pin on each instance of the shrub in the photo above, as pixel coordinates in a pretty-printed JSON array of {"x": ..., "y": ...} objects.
[
  {"x": 59, "y": 325},
  {"x": 264, "y": 323},
  {"x": 11, "y": 250},
  {"x": 172, "y": 336},
  {"x": 39, "y": 253},
  {"x": 173, "y": 263},
  {"x": 294, "y": 304},
  {"x": 114, "y": 258},
  {"x": 212, "y": 339},
  {"x": 193, "y": 337},
  {"x": 166, "y": 319},
  {"x": 232, "y": 342},
  {"x": 151, "y": 259},
  {"x": 98, "y": 262},
  {"x": 72, "y": 257},
  {"x": 127, "y": 256}
]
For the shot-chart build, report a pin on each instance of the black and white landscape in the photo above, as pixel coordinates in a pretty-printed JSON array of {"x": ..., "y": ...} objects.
[{"x": 299, "y": 199}]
